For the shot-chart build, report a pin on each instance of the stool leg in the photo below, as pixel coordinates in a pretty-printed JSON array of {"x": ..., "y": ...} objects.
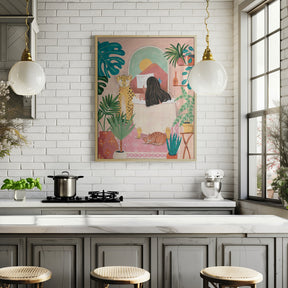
[
  {"x": 138, "y": 285},
  {"x": 205, "y": 283}
]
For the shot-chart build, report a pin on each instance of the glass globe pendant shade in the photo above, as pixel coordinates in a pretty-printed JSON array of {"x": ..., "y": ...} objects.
[
  {"x": 26, "y": 78},
  {"x": 208, "y": 77}
]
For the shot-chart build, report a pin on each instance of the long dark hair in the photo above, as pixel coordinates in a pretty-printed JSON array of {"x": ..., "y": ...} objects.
[{"x": 154, "y": 93}]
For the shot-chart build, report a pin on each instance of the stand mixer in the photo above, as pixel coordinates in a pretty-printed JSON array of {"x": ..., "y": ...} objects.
[{"x": 211, "y": 188}]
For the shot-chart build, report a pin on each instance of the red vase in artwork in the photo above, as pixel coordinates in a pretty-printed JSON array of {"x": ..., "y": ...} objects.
[{"x": 107, "y": 145}]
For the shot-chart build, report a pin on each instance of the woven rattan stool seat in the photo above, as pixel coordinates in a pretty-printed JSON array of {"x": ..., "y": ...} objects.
[
  {"x": 24, "y": 274},
  {"x": 120, "y": 275},
  {"x": 231, "y": 276}
]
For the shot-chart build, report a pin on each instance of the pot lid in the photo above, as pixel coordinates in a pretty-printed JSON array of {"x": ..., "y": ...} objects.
[{"x": 66, "y": 175}]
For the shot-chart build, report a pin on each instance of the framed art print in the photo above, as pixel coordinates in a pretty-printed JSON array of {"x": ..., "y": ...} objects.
[{"x": 145, "y": 107}]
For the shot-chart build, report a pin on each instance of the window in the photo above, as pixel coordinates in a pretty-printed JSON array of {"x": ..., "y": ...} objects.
[{"x": 263, "y": 98}]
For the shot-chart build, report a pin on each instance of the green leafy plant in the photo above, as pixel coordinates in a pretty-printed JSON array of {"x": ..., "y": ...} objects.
[
  {"x": 102, "y": 83},
  {"x": 10, "y": 128},
  {"x": 174, "y": 53},
  {"x": 28, "y": 183},
  {"x": 121, "y": 127},
  {"x": 189, "y": 53},
  {"x": 280, "y": 183},
  {"x": 173, "y": 144},
  {"x": 108, "y": 61},
  {"x": 186, "y": 111},
  {"x": 108, "y": 107}
]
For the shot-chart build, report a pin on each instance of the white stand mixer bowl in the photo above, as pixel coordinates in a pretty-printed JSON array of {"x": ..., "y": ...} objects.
[{"x": 210, "y": 193}]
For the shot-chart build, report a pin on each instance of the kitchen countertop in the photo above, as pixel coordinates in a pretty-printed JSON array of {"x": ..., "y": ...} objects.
[
  {"x": 139, "y": 224},
  {"x": 126, "y": 203}
]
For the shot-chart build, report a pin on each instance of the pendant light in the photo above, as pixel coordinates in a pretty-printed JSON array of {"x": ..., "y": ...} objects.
[
  {"x": 26, "y": 77},
  {"x": 208, "y": 77}
]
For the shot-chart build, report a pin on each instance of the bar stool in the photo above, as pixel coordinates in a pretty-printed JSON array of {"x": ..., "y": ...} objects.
[
  {"x": 24, "y": 275},
  {"x": 120, "y": 275},
  {"x": 230, "y": 276}
]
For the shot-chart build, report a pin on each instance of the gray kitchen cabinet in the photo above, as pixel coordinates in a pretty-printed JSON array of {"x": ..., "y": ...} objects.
[
  {"x": 12, "y": 251},
  {"x": 126, "y": 251},
  {"x": 63, "y": 256},
  {"x": 254, "y": 253},
  {"x": 181, "y": 260},
  {"x": 200, "y": 211},
  {"x": 121, "y": 211}
]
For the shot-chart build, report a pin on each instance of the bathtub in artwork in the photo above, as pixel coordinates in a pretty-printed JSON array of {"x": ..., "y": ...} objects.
[{"x": 156, "y": 118}]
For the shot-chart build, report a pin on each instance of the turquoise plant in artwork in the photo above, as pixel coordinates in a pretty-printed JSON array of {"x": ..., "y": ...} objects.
[
  {"x": 109, "y": 60},
  {"x": 173, "y": 144},
  {"x": 189, "y": 53}
]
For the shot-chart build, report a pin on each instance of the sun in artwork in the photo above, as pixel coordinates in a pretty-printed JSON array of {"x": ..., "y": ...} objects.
[{"x": 144, "y": 64}]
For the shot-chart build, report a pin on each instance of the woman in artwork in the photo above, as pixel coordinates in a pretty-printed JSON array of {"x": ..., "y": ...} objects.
[{"x": 154, "y": 93}]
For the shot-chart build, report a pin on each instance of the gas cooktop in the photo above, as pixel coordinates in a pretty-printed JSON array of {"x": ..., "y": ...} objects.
[{"x": 93, "y": 196}]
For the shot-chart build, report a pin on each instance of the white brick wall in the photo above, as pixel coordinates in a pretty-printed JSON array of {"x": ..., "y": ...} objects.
[{"x": 62, "y": 135}]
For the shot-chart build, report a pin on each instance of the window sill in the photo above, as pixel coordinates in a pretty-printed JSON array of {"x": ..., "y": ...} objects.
[{"x": 250, "y": 207}]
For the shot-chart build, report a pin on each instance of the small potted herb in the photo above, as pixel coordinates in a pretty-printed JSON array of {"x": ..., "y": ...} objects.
[{"x": 20, "y": 186}]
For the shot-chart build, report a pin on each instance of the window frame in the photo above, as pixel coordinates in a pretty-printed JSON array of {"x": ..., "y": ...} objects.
[{"x": 246, "y": 10}]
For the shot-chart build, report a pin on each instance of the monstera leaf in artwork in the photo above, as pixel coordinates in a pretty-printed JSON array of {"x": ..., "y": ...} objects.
[
  {"x": 102, "y": 80},
  {"x": 109, "y": 62}
]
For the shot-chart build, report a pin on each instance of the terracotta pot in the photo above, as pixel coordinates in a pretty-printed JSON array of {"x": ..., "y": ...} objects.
[
  {"x": 107, "y": 145},
  {"x": 191, "y": 60},
  {"x": 180, "y": 62},
  {"x": 171, "y": 156}
]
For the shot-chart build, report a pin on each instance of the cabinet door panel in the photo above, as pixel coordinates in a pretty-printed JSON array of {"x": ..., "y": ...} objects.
[
  {"x": 62, "y": 256},
  {"x": 252, "y": 253},
  {"x": 182, "y": 261},
  {"x": 12, "y": 251}
]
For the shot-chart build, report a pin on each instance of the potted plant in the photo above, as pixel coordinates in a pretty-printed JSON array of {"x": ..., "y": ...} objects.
[
  {"x": 278, "y": 136},
  {"x": 121, "y": 128},
  {"x": 107, "y": 143},
  {"x": 176, "y": 54},
  {"x": 20, "y": 186},
  {"x": 185, "y": 115},
  {"x": 280, "y": 184},
  {"x": 173, "y": 145}
]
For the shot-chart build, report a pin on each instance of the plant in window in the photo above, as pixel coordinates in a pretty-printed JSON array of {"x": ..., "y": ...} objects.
[
  {"x": 278, "y": 134},
  {"x": 10, "y": 128}
]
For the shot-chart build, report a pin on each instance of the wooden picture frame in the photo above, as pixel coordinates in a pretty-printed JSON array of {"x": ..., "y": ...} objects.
[{"x": 145, "y": 107}]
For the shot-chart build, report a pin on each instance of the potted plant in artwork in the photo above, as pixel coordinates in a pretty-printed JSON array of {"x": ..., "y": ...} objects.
[
  {"x": 185, "y": 116},
  {"x": 173, "y": 145},
  {"x": 175, "y": 54},
  {"x": 21, "y": 186},
  {"x": 107, "y": 144},
  {"x": 121, "y": 128}
]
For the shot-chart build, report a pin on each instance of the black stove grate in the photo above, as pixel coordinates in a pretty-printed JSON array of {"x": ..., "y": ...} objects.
[{"x": 94, "y": 196}]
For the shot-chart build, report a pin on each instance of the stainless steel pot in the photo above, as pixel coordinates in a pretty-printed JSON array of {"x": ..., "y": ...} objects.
[{"x": 65, "y": 184}]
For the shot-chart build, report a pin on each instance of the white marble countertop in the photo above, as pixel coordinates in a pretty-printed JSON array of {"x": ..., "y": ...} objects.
[
  {"x": 126, "y": 203},
  {"x": 139, "y": 224}
]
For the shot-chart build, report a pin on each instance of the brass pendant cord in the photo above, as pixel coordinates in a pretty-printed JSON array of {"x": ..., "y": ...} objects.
[
  {"x": 207, "y": 53},
  {"x": 26, "y": 56}
]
